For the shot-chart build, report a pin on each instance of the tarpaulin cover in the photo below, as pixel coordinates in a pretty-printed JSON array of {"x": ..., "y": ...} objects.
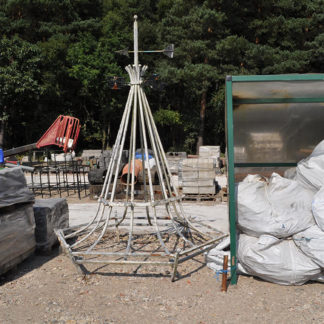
[
  {"x": 17, "y": 239},
  {"x": 13, "y": 187},
  {"x": 280, "y": 207},
  {"x": 275, "y": 260}
]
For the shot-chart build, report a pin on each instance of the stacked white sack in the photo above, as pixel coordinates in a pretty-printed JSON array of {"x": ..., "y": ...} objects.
[
  {"x": 310, "y": 171},
  {"x": 318, "y": 208},
  {"x": 311, "y": 242},
  {"x": 279, "y": 207},
  {"x": 275, "y": 260},
  {"x": 215, "y": 258}
]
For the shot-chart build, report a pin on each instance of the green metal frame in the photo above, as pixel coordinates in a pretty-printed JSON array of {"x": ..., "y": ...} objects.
[{"x": 231, "y": 165}]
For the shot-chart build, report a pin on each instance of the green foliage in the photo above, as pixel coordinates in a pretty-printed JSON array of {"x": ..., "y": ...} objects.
[
  {"x": 56, "y": 55},
  {"x": 167, "y": 117}
]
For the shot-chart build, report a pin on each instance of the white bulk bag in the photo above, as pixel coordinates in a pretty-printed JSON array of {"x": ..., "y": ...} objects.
[
  {"x": 280, "y": 207},
  {"x": 318, "y": 208},
  {"x": 275, "y": 260},
  {"x": 320, "y": 278},
  {"x": 311, "y": 242},
  {"x": 215, "y": 258},
  {"x": 310, "y": 171}
]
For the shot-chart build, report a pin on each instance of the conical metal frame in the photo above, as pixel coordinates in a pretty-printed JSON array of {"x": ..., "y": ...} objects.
[{"x": 112, "y": 235}]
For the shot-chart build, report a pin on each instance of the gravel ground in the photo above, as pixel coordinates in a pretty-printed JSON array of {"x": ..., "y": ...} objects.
[{"x": 46, "y": 289}]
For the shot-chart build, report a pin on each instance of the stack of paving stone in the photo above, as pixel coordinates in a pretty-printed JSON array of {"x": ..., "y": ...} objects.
[
  {"x": 198, "y": 174},
  {"x": 174, "y": 160},
  {"x": 17, "y": 224}
]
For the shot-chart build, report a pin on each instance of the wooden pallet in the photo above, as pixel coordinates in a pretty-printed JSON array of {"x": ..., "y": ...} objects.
[{"x": 199, "y": 197}]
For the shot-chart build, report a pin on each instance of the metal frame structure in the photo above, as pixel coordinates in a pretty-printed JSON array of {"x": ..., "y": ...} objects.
[
  {"x": 61, "y": 178},
  {"x": 99, "y": 240},
  {"x": 232, "y": 101}
]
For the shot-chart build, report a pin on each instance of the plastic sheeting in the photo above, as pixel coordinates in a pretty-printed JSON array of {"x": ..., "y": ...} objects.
[
  {"x": 311, "y": 242},
  {"x": 13, "y": 187},
  {"x": 50, "y": 214},
  {"x": 275, "y": 260},
  {"x": 318, "y": 208},
  {"x": 17, "y": 239},
  {"x": 278, "y": 206},
  {"x": 310, "y": 171}
]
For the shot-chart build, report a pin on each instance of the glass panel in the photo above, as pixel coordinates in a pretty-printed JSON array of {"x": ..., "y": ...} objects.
[
  {"x": 276, "y": 89},
  {"x": 274, "y": 133}
]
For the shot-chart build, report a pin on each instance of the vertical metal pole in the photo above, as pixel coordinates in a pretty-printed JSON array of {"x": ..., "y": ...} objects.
[
  {"x": 135, "y": 43},
  {"x": 231, "y": 176}
]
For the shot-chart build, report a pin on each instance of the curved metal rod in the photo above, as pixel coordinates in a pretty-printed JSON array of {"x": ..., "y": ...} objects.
[
  {"x": 133, "y": 137},
  {"x": 142, "y": 121},
  {"x": 75, "y": 233},
  {"x": 120, "y": 152},
  {"x": 122, "y": 133},
  {"x": 144, "y": 174},
  {"x": 153, "y": 137},
  {"x": 123, "y": 123},
  {"x": 117, "y": 144},
  {"x": 142, "y": 129},
  {"x": 182, "y": 213},
  {"x": 102, "y": 232},
  {"x": 132, "y": 77},
  {"x": 116, "y": 175},
  {"x": 158, "y": 233}
]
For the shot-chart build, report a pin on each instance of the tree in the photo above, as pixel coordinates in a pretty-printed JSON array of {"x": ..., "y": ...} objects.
[
  {"x": 20, "y": 86},
  {"x": 92, "y": 62},
  {"x": 194, "y": 27}
]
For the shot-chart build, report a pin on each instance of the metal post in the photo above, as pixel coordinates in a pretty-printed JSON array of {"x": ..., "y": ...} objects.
[
  {"x": 231, "y": 176},
  {"x": 135, "y": 43}
]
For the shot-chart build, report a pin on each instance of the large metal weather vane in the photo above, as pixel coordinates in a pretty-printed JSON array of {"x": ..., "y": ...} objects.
[{"x": 127, "y": 229}]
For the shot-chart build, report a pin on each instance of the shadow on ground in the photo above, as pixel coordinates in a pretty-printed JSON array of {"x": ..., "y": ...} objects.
[{"x": 34, "y": 261}]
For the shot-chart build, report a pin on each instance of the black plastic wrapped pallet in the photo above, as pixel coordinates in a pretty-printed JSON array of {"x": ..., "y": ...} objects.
[
  {"x": 17, "y": 238},
  {"x": 13, "y": 187}
]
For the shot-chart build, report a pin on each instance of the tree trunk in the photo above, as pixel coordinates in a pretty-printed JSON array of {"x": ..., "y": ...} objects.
[
  {"x": 108, "y": 135},
  {"x": 104, "y": 138},
  {"x": 1, "y": 133},
  {"x": 200, "y": 141}
]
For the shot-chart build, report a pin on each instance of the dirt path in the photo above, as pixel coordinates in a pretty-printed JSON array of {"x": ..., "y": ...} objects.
[{"x": 47, "y": 290}]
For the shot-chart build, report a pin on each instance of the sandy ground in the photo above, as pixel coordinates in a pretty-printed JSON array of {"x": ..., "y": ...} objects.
[{"x": 46, "y": 289}]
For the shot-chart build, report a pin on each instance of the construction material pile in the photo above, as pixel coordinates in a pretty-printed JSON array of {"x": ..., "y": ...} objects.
[
  {"x": 197, "y": 175},
  {"x": 281, "y": 223},
  {"x": 17, "y": 239}
]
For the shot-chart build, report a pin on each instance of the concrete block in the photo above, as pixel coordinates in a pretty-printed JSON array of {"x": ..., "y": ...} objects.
[
  {"x": 210, "y": 190},
  {"x": 209, "y": 152},
  {"x": 49, "y": 215}
]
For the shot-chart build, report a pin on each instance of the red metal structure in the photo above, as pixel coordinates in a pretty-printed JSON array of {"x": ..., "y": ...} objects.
[{"x": 64, "y": 133}]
